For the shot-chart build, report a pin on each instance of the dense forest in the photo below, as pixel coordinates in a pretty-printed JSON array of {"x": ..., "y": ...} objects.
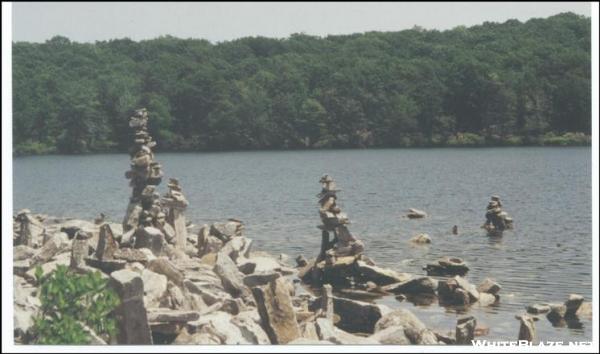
[{"x": 508, "y": 83}]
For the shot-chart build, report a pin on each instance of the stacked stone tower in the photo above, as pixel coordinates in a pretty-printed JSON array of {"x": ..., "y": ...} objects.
[
  {"x": 334, "y": 222},
  {"x": 144, "y": 175}
]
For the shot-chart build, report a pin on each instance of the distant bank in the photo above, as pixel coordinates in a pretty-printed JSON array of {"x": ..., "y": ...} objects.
[
  {"x": 458, "y": 140},
  {"x": 511, "y": 83}
]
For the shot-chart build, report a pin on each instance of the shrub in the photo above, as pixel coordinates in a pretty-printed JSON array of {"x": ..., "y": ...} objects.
[{"x": 70, "y": 300}]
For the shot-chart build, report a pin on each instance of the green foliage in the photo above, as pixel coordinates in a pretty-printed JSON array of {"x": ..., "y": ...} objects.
[
  {"x": 68, "y": 300},
  {"x": 497, "y": 83}
]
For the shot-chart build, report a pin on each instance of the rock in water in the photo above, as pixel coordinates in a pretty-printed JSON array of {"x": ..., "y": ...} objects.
[
  {"x": 465, "y": 330},
  {"x": 131, "y": 315},
  {"x": 276, "y": 311},
  {"x": 421, "y": 239},
  {"x": 447, "y": 266},
  {"x": 537, "y": 309},
  {"x": 489, "y": 286},
  {"x": 379, "y": 276},
  {"x": 527, "y": 328},
  {"x": 419, "y": 285},
  {"x": 573, "y": 304},
  {"x": 416, "y": 214}
]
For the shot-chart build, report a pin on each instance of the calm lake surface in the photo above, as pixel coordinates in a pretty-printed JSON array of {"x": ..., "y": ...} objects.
[{"x": 546, "y": 190}]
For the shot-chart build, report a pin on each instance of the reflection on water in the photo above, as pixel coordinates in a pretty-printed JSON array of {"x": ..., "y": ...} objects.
[{"x": 546, "y": 190}]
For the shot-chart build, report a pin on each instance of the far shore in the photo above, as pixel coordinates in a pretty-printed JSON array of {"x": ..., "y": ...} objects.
[{"x": 466, "y": 141}]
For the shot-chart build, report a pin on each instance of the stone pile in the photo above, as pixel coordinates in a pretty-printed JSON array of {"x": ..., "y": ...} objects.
[
  {"x": 144, "y": 175},
  {"x": 152, "y": 222},
  {"x": 335, "y": 222},
  {"x": 496, "y": 220}
]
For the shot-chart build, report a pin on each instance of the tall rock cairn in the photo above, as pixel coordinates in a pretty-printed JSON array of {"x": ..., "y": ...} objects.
[
  {"x": 145, "y": 174},
  {"x": 335, "y": 222}
]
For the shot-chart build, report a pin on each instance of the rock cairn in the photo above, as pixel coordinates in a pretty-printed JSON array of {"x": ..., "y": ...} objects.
[
  {"x": 496, "y": 220},
  {"x": 175, "y": 204},
  {"x": 145, "y": 174},
  {"x": 335, "y": 221}
]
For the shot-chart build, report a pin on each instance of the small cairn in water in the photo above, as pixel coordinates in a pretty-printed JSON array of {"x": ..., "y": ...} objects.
[
  {"x": 497, "y": 220},
  {"x": 335, "y": 221},
  {"x": 341, "y": 261}
]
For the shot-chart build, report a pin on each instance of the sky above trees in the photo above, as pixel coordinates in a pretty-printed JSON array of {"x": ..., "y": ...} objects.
[{"x": 88, "y": 22}]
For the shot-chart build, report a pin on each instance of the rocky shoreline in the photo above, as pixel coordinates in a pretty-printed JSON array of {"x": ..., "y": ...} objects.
[
  {"x": 182, "y": 283},
  {"x": 232, "y": 294}
]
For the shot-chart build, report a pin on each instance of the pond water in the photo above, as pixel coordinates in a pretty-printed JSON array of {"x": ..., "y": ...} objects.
[{"x": 547, "y": 191}]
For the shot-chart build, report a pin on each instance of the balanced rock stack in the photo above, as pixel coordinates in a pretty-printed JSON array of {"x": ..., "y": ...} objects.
[
  {"x": 335, "y": 221},
  {"x": 175, "y": 203},
  {"x": 145, "y": 174},
  {"x": 497, "y": 220},
  {"x": 341, "y": 261},
  {"x": 151, "y": 221}
]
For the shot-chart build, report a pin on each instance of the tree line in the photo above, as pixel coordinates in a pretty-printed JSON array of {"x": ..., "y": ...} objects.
[{"x": 510, "y": 83}]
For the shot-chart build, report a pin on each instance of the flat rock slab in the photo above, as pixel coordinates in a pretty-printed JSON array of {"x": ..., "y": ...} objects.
[{"x": 489, "y": 286}]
